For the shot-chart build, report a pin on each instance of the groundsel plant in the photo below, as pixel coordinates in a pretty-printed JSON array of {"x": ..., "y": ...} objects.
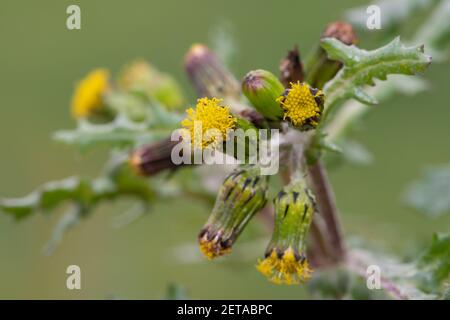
[{"x": 302, "y": 115}]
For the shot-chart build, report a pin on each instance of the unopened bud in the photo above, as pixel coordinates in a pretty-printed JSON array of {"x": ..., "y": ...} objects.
[
  {"x": 285, "y": 257},
  {"x": 320, "y": 69},
  {"x": 291, "y": 68},
  {"x": 208, "y": 75},
  {"x": 153, "y": 158},
  {"x": 242, "y": 194},
  {"x": 263, "y": 88}
]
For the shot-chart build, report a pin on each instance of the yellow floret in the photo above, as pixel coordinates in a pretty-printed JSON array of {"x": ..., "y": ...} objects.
[
  {"x": 287, "y": 269},
  {"x": 211, "y": 116},
  {"x": 300, "y": 106}
]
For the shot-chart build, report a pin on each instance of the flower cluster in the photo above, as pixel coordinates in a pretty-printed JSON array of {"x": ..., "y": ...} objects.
[
  {"x": 140, "y": 109},
  {"x": 244, "y": 192},
  {"x": 140, "y": 95},
  {"x": 139, "y": 112}
]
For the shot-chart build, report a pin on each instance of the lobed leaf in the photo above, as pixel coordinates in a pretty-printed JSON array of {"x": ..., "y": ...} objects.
[
  {"x": 362, "y": 67},
  {"x": 436, "y": 262}
]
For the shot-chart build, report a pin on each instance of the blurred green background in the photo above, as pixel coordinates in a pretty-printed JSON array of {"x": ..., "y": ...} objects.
[{"x": 40, "y": 62}]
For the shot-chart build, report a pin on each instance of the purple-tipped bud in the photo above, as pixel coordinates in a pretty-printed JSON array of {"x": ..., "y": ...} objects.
[
  {"x": 153, "y": 158},
  {"x": 208, "y": 75}
]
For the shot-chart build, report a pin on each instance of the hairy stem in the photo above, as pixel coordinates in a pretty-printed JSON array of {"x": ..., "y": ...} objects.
[
  {"x": 357, "y": 264},
  {"x": 320, "y": 251},
  {"x": 327, "y": 208}
]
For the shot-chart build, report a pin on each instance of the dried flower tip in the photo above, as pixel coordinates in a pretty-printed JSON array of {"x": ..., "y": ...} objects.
[
  {"x": 208, "y": 75},
  {"x": 262, "y": 88},
  {"x": 303, "y": 105},
  {"x": 212, "y": 245},
  {"x": 88, "y": 98},
  {"x": 208, "y": 116},
  {"x": 242, "y": 194},
  {"x": 291, "y": 68},
  {"x": 319, "y": 68},
  {"x": 342, "y": 31}
]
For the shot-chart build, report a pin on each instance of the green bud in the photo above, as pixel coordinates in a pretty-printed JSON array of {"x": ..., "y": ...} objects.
[
  {"x": 242, "y": 194},
  {"x": 263, "y": 88}
]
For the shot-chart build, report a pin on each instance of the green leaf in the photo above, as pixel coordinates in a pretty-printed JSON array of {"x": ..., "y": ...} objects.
[
  {"x": 49, "y": 195},
  {"x": 119, "y": 133},
  {"x": 435, "y": 263},
  {"x": 84, "y": 193},
  {"x": 362, "y": 67},
  {"x": 430, "y": 194}
]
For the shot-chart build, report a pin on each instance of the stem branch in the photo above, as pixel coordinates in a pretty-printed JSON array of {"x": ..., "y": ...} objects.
[
  {"x": 327, "y": 207},
  {"x": 357, "y": 264}
]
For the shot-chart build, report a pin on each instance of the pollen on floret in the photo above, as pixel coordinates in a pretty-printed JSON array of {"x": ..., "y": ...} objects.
[
  {"x": 88, "y": 96},
  {"x": 210, "y": 116},
  {"x": 285, "y": 268},
  {"x": 302, "y": 105}
]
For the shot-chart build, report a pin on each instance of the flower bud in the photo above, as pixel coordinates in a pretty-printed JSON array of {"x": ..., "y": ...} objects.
[
  {"x": 243, "y": 193},
  {"x": 262, "y": 88},
  {"x": 153, "y": 158},
  {"x": 291, "y": 68},
  {"x": 285, "y": 257},
  {"x": 342, "y": 31},
  {"x": 320, "y": 69},
  {"x": 208, "y": 75}
]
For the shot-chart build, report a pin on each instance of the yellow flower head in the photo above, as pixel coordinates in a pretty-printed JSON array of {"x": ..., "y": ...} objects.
[
  {"x": 208, "y": 115},
  {"x": 302, "y": 105},
  {"x": 285, "y": 268},
  {"x": 88, "y": 97}
]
